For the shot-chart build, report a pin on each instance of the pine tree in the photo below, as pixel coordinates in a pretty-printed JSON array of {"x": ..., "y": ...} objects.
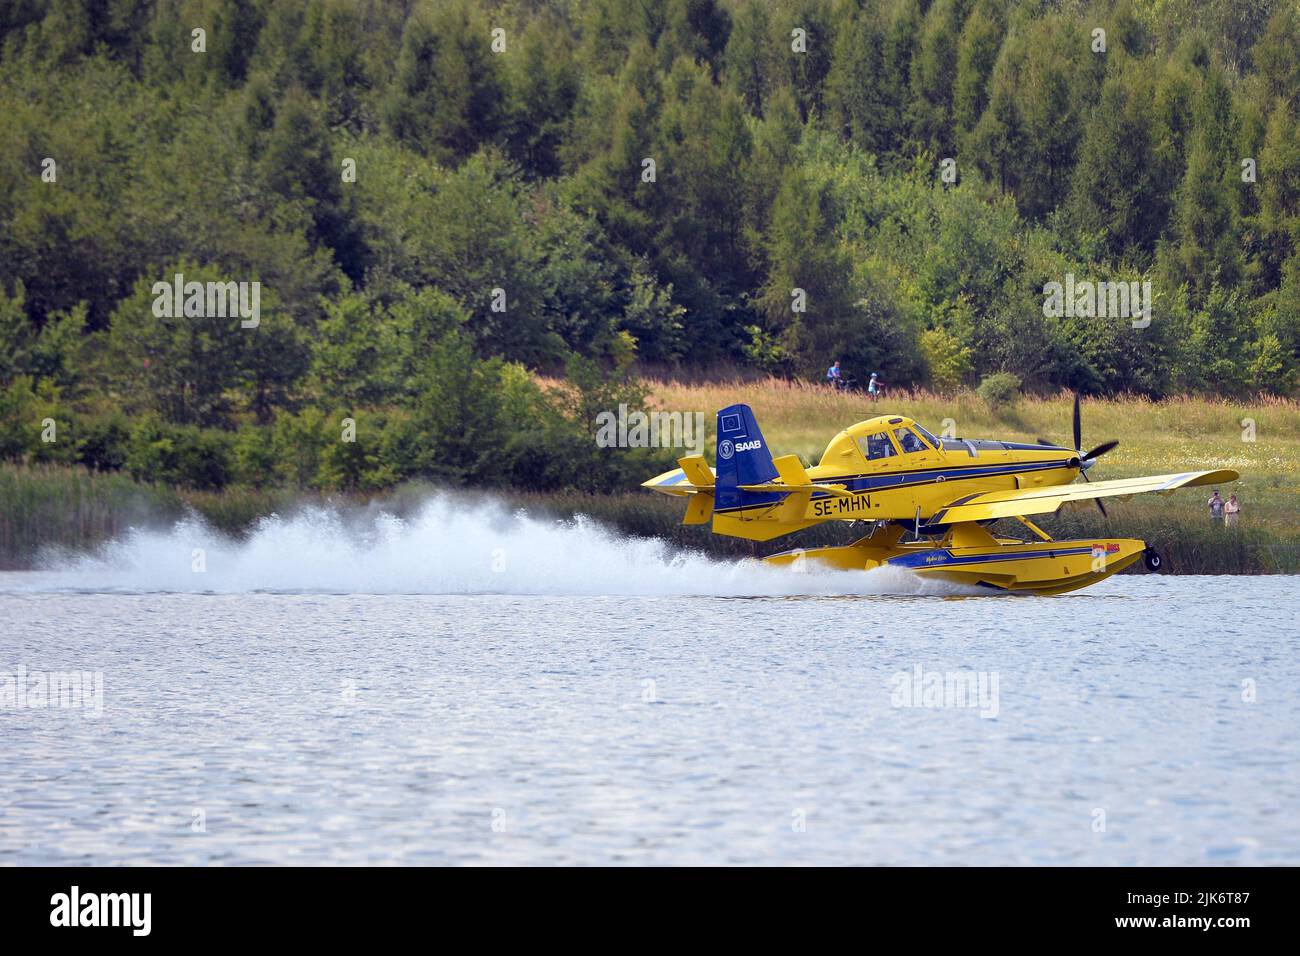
[
  {"x": 448, "y": 95},
  {"x": 1207, "y": 251},
  {"x": 750, "y": 65},
  {"x": 1276, "y": 226},
  {"x": 934, "y": 76},
  {"x": 857, "y": 102},
  {"x": 981, "y": 39},
  {"x": 544, "y": 86},
  {"x": 1275, "y": 55},
  {"x": 1121, "y": 188}
]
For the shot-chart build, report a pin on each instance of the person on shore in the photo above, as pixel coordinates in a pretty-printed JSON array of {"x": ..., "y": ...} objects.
[
  {"x": 1230, "y": 511},
  {"x": 834, "y": 378},
  {"x": 875, "y": 386},
  {"x": 1216, "y": 506}
]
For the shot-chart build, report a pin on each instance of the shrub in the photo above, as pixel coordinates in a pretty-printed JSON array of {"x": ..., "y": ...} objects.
[
  {"x": 298, "y": 442},
  {"x": 999, "y": 389},
  {"x": 357, "y": 463},
  {"x": 763, "y": 350},
  {"x": 399, "y": 447},
  {"x": 102, "y": 443},
  {"x": 947, "y": 361},
  {"x": 179, "y": 455},
  {"x": 253, "y": 457},
  {"x": 24, "y": 408}
]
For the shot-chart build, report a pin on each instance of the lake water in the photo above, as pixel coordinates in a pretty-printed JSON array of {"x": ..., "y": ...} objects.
[{"x": 472, "y": 687}]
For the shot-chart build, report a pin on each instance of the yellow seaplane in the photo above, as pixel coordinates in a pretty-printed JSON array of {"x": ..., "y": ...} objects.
[{"x": 894, "y": 474}]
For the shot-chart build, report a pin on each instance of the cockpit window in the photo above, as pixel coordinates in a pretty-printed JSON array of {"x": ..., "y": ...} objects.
[
  {"x": 876, "y": 446},
  {"x": 934, "y": 442},
  {"x": 908, "y": 441}
]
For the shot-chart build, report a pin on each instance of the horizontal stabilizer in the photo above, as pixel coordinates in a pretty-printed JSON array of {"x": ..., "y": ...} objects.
[
  {"x": 696, "y": 470},
  {"x": 677, "y": 482},
  {"x": 791, "y": 470}
]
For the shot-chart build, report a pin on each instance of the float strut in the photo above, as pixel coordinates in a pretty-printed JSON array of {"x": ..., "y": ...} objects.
[{"x": 1033, "y": 527}]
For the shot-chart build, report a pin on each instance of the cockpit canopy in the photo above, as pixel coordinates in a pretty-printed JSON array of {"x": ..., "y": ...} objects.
[{"x": 879, "y": 438}]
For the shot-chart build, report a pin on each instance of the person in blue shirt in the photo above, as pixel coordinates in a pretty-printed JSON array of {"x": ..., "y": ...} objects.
[{"x": 833, "y": 376}]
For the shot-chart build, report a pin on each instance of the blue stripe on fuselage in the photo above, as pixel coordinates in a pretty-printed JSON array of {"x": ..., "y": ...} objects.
[
  {"x": 903, "y": 479},
  {"x": 926, "y": 559}
]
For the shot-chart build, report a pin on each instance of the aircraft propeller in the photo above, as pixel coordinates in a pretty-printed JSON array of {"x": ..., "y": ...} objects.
[{"x": 1087, "y": 460}]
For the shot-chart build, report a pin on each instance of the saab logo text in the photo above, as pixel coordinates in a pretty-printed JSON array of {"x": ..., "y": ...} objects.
[
  {"x": 754, "y": 445},
  {"x": 102, "y": 909}
]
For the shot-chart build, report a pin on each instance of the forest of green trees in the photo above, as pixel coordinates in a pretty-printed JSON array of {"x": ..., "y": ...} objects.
[{"x": 440, "y": 198}]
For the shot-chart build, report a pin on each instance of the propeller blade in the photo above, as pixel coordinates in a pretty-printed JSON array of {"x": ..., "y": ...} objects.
[
  {"x": 1100, "y": 507},
  {"x": 1100, "y": 450},
  {"x": 1078, "y": 425}
]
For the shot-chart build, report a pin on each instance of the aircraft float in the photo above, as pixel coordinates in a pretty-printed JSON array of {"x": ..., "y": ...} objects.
[{"x": 891, "y": 472}]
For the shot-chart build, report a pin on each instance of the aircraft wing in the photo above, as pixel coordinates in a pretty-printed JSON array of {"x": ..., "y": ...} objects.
[{"x": 1048, "y": 500}]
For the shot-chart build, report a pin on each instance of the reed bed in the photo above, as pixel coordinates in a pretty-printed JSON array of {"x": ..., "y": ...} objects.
[{"x": 71, "y": 508}]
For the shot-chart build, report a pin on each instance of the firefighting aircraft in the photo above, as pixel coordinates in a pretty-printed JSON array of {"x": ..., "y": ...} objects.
[{"x": 891, "y": 472}]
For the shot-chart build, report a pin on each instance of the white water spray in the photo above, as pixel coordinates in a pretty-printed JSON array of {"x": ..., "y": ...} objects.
[{"x": 447, "y": 547}]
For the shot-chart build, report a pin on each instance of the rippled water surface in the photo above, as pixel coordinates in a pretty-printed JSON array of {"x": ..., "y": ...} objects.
[{"x": 1148, "y": 720}]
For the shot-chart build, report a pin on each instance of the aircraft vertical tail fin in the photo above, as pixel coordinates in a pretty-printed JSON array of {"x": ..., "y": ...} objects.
[{"x": 742, "y": 454}]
